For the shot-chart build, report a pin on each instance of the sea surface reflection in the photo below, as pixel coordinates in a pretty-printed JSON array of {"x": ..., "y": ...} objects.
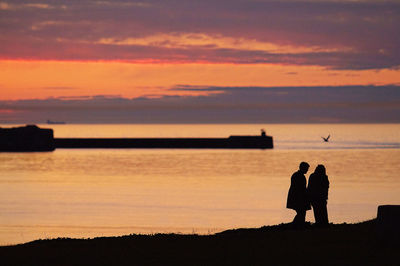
[{"x": 99, "y": 192}]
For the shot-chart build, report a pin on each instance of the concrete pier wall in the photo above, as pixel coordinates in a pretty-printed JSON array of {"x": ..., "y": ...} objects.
[
  {"x": 26, "y": 139},
  {"x": 33, "y": 138},
  {"x": 243, "y": 142}
]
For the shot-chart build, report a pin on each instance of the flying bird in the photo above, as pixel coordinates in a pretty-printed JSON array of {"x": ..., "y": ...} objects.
[{"x": 327, "y": 138}]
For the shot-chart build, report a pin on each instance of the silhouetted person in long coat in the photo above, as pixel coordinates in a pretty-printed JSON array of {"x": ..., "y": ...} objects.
[
  {"x": 297, "y": 196},
  {"x": 318, "y": 186}
]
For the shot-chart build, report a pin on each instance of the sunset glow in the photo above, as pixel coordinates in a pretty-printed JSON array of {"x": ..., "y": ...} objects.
[
  {"x": 44, "y": 79},
  {"x": 128, "y": 49}
]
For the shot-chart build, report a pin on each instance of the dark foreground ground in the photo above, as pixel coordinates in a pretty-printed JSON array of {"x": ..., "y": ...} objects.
[{"x": 343, "y": 244}]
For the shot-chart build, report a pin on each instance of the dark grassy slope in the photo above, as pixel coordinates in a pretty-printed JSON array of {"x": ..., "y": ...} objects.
[{"x": 345, "y": 244}]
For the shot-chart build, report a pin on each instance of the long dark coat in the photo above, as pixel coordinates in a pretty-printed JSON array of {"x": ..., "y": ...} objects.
[
  {"x": 297, "y": 197},
  {"x": 318, "y": 186}
]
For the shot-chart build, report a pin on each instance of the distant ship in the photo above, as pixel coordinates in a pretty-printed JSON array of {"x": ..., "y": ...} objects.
[{"x": 55, "y": 122}]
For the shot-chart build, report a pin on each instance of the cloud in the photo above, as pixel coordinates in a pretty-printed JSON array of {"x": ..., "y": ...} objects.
[
  {"x": 333, "y": 34},
  {"x": 38, "y": 5},
  {"x": 29, "y": 5},
  {"x": 199, "y": 40},
  {"x": 6, "y": 111},
  {"x": 344, "y": 104},
  {"x": 4, "y": 6}
]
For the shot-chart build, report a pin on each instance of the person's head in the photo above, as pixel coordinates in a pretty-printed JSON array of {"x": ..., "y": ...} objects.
[
  {"x": 320, "y": 169},
  {"x": 304, "y": 167}
]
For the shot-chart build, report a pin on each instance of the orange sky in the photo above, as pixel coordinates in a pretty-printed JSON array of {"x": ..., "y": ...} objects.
[
  {"x": 132, "y": 49},
  {"x": 44, "y": 79}
]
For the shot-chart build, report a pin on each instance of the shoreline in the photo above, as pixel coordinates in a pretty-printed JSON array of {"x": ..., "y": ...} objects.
[{"x": 338, "y": 244}]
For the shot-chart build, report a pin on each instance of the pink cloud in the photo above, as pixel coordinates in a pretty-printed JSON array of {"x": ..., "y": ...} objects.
[{"x": 335, "y": 34}]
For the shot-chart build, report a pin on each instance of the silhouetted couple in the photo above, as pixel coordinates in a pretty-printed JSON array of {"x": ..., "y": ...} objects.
[{"x": 301, "y": 197}]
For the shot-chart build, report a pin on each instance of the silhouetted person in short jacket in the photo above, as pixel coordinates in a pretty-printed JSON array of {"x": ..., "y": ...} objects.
[
  {"x": 318, "y": 186},
  {"x": 297, "y": 196}
]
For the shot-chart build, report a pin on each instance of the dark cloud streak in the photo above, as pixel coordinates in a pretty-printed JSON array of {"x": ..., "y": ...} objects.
[{"x": 346, "y": 104}]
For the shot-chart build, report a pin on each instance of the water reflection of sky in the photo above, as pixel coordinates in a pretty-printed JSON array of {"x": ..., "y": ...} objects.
[
  {"x": 282, "y": 144},
  {"x": 96, "y": 192}
]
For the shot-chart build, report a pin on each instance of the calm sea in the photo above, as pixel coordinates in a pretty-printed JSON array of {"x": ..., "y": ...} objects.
[{"x": 98, "y": 192}]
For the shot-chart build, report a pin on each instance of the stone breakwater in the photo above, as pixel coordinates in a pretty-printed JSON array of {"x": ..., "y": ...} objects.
[
  {"x": 33, "y": 138},
  {"x": 26, "y": 139}
]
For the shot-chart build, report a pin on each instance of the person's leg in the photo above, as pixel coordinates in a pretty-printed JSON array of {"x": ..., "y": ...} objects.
[
  {"x": 324, "y": 214},
  {"x": 320, "y": 213},
  {"x": 300, "y": 217},
  {"x": 315, "y": 211}
]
